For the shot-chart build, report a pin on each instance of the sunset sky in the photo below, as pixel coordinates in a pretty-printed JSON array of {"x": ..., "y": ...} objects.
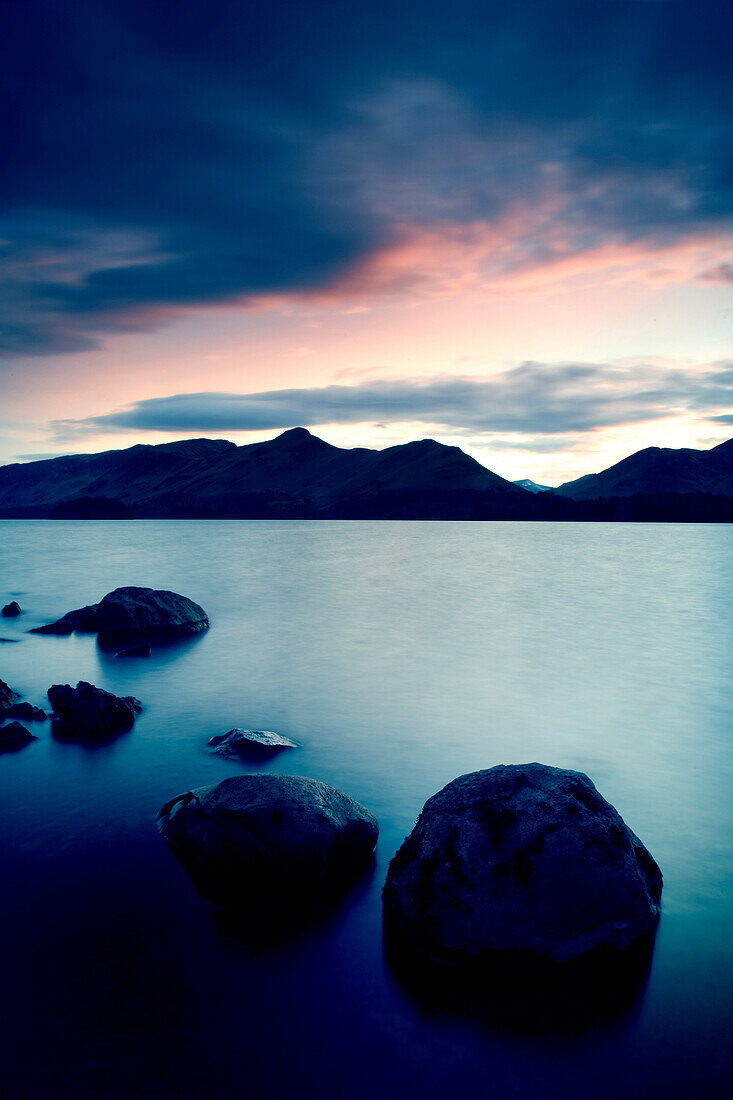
[{"x": 504, "y": 226}]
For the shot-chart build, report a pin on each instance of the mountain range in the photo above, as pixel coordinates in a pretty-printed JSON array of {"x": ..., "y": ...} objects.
[
  {"x": 299, "y": 476},
  {"x": 660, "y": 470}
]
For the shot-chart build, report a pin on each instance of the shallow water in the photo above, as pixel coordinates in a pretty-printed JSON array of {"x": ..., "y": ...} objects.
[{"x": 398, "y": 655}]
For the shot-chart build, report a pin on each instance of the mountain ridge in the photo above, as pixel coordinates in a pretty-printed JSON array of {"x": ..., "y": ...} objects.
[
  {"x": 297, "y": 475},
  {"x": 659, "y": 470}
]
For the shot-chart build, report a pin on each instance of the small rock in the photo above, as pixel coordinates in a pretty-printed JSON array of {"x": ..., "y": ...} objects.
[
  {"x": 88, "y": 713},
  {"x": 11, "y": 609},
  {"x": 135, "y": 651},
  {"x": 521, "y": 866},
  {"x": 270, "y": 832},
  {"x": 253, "y": 743},
  {"x": 24, "y": 710},
  {"x": 7, "y": 695},
  {"x": 14, "y": 736}
]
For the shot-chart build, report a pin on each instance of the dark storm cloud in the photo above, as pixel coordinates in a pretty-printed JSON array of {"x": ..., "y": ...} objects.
[
  {"x": 161, "y": 154},
  {"x": 532, "y": 398}
]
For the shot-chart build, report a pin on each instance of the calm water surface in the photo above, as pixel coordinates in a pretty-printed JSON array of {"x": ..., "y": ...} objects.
[{"x": 399, "y": 655}]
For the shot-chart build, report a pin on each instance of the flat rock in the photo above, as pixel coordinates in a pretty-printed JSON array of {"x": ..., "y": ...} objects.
[
  {"x": 133, "y": 615},
  {"x": 88, "y": 713},
  {"x": 7, "y": 695},
  {"x": 11, "y": 609},
  {"x": 249, "y": 743},
  {"x": 521, "y": 865},
  {"x": 270, "y": 832},
  {"x": 14, "y": 737},
  {"x": 26, "y": 711},
  {"x": 142, "y": 650}
]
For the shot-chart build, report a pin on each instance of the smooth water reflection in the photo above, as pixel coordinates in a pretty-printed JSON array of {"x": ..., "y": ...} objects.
[{"x": 399, "y": 655}]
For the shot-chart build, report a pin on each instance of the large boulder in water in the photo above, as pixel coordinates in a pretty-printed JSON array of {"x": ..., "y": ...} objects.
[
  {"x": 134, "y": 615},
  {"x": 521, "y": 866},
  {"x": 7, "y": 695},
  {"x": 88, "y": 713},
  {"x": 11, "y": 610},
  {"x": 14, "y": 736},
  {"x": 269, "y": 833}
]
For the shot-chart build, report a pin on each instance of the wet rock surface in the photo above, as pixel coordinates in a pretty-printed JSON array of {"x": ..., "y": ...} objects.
[
  {"x": 7, "y": 695},
  {"x": 11, "y": 610},
  {"x": 14, "y": 736},
  {"x": 24, "y": 711},
  {"x": 521, "y": 867},
  {"x": 88, "y": 713},
  {"x": 131, "y": 614},
  {"x": 255, "y": 835},
  {"x": 253, "y": 744}
]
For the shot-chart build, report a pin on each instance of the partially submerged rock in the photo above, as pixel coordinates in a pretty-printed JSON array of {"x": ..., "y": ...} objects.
[
  {"x": 254, "y": 744},
  {"x": 7, "y": 695},
  {"x": 269, "y": 833},
  {"x": 14, "y": 736},
  {"x": 81, "y": 621},
  {"x": 11, "y": 609},
  {"x": 520, "y": 867},
  {"x": 26, "y": 711},
  {"x": 142, "y": 650},
  {"x": 133, "y": 615},
  {"x": 88, "y": 713}
]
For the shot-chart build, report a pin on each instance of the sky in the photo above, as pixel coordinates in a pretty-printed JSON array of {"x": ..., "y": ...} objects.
[{"x": 505, "y": 226}]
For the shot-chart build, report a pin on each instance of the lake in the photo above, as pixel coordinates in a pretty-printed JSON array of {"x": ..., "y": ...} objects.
[{"x": 398, "y": 656}]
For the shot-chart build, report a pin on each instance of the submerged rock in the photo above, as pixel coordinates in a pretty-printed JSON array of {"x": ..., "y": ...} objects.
[
  {"x": 82, "y": 621},
  {"x": 7, "y": 695},
  {"x": 24, "y": 710},
  {"x": 249, "y": 743},
  {"x": 265, "y": 833},
  {"x": 135, "y": 651},
  {"x": 133, "y": 614},
  {"x": 12, "y": 609},
  {"x": 14, "y": 736},
  {"x": 518, "y": 867},
  {"x": 88, "y": 713}
]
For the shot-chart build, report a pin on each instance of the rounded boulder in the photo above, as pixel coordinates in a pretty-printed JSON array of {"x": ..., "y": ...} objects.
[
  {"x": 521, "y": 865},
  {"x": 270, "y": 831},
  {"x": 131, "y": 614}
]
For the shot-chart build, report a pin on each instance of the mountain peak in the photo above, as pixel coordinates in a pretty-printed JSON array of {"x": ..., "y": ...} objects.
[{"x": 295, "y": 435}]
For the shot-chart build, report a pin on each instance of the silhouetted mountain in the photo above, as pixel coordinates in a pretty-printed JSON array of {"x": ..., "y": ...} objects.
[
  {"x": 298, "y": 476},
  {"x": 532, "y": 486},
  {"x": 295, "y": 475},
  {"x": 660, "y": 470}
]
